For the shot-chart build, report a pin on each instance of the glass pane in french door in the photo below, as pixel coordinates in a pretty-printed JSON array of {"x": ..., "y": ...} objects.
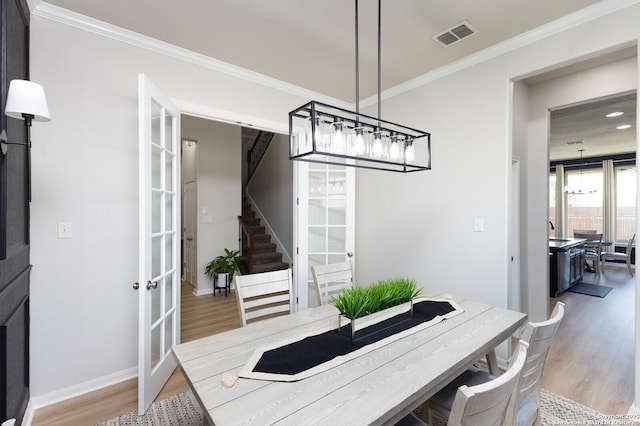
[{"x": 327, "y": 218}]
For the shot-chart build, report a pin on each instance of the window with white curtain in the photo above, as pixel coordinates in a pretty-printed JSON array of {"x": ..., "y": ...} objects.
[
  {"x": 584, "y": 200},
  {"x": 626, "y": 201},
  {"x": 552, "y": 204}
]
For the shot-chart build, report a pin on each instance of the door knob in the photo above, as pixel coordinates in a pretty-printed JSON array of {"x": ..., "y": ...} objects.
[
  {"x": 136, "y": 285},
  {"x": 152, "y": 285},
  {"x": 350, "y": 254}
]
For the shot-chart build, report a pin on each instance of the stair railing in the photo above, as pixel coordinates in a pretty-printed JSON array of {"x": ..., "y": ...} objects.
[
  {"x": 246, "y": 243},
  {"x": 257, "y": 151}
]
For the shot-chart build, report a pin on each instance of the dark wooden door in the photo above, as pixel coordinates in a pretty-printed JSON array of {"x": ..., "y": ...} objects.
[{"x": 14, "y": 221}]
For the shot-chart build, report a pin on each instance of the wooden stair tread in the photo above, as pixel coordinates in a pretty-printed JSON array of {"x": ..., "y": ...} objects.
[
  {"x": 267, "y": 267},
  {"x": 263, "y": 255}
]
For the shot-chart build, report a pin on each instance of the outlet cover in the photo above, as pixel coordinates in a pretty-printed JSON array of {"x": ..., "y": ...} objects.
[{"x": 65, "y": 230}]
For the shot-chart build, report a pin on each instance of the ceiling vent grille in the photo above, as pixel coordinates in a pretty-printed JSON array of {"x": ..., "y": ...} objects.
[
  {"x": 454, "y": 34},
  {"x": 574, "y": 143}
]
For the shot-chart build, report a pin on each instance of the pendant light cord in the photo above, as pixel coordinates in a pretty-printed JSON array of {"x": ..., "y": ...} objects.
[
  {"x": 357, "y": 67},
  {"x": 379, "y": 61}
]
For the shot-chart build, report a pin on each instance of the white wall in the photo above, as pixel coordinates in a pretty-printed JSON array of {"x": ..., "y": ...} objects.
[
  {"x": 84, "y": 312},
  {"x": 271, "y": 188},
  {"x": 426, "y": 219},
  {"x": 85, "y": 170},
  {"x": 218, "y": 166}
]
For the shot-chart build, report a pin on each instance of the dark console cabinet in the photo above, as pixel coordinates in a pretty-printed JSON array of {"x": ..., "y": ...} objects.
[{"x": 15, "y": 266}]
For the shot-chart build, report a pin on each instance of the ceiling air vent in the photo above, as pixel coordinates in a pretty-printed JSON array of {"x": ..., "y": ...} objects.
[
  {"x": 455, "y": 34},
  {"x": 574, "y": 143}
]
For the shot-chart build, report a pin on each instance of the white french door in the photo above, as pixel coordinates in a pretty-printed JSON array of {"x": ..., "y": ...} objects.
[
  {"x": 159, "y": 239},
  {"x": 326, "y": 222},
  {"x": 189, "y": 203}
]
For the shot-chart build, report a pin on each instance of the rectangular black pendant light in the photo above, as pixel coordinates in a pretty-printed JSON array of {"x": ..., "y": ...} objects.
[{"x": 322, "y": 133}]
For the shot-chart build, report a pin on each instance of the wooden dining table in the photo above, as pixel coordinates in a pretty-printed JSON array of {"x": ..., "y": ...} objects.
[{"x": 379, "y": 387}]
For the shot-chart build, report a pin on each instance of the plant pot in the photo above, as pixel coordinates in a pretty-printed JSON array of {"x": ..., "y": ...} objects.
[
  {"x": 361, "y": 323},
  {"x": 222, "y": 281}
]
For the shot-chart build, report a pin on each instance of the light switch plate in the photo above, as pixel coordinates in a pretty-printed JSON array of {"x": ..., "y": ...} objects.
[
  {"x": 478, "y": 225},
  {"x": 65, "y": 230}
]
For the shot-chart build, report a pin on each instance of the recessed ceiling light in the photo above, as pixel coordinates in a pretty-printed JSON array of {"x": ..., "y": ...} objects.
[
  {"x": 624, "y": 126},
  {"x": 614, "y": 114}
]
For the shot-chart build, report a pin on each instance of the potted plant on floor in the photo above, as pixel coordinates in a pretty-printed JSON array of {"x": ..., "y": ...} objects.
[{"x": 222, "y": 268}]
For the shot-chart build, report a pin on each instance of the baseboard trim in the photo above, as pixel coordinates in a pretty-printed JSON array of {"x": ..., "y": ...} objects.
[
  {"x": 634, "y": 413},
  {"x": 76, "y": 390},
  {"x": 206, "y": 291},
  {"x": 202, "y": 292}
]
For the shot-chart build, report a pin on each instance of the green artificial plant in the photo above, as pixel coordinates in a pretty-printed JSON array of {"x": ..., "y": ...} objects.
[{"x": 359, "y": 301}]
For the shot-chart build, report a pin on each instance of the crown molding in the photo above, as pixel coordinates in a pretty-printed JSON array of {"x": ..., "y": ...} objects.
[
  {"x": 587, "y": 14},
  {"x": 55, "y": 13},
  {"x": 549, "y": 29}
]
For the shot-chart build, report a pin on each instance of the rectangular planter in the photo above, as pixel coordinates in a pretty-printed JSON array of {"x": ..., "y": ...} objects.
[{"x": 362, "y": 323}]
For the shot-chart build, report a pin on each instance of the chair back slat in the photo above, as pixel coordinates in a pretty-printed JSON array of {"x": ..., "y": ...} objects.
[
  {"x": 539, "y": 336},
  {"x": 264, "y": 294},
  {"x": 331, "y": 279},
  {"x": 492, "y": 402},
  {"x": 592, "y": 247}
]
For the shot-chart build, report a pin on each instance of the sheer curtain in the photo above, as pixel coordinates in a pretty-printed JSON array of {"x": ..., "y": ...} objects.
[
  {"x": 609, "y": 201},
  {"x": 561, "y": 204}
]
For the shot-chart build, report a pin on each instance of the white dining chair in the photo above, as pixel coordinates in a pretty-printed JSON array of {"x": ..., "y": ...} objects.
[
  {"x": 487, "y": 403},
  {"x": 592, "y": 248},
  {"x": 625, "y": 257},
  {"x": 264, "y": 295},
  {"x": 527, "y": 407},
  {"x": 331, "y": 279}
]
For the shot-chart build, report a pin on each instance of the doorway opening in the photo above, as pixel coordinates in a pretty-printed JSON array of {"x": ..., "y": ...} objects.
[{"x": 534, "y": 100}]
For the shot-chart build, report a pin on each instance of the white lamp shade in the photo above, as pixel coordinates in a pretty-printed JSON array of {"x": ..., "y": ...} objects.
[{"x": 26, "y": 97}]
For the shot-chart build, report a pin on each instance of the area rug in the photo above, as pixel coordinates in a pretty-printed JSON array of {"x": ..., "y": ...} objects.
[
  {"x": 178, "y": 410},
  {"x": 183, "y": 410},
  {"x": 590, "y": 289}
]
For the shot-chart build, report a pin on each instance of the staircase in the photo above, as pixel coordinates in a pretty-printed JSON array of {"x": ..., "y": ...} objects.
[{"x": 259, "y": 252}]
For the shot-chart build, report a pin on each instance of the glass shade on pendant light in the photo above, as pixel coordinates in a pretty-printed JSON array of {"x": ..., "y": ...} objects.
[
  {"x": 377, "y": 148},
  {"x": 359, "y": 140},
  {"x": 338, "y": 143},
  {"x": 409, "y": 150},
  {"x": 327, "y": 134},
  {"x": 394, "y": 148},
  {"x": 315, "y": 133}
]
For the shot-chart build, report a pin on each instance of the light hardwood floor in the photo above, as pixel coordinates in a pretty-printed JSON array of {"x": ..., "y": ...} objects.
[
  {"x": 201, "y": 316},
  {"x": 591, "y": 359}
]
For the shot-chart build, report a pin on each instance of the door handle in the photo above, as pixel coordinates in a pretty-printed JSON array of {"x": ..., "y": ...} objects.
[
  {"x": 152, "y": 285},
  {"x": 136, "y": 285},
  {"x": 189, "y": 239},
  {"x": 350, "y": 254}
]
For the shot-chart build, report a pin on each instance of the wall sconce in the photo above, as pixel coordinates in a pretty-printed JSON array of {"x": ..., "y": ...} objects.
[{"x": 25, "y": 101}]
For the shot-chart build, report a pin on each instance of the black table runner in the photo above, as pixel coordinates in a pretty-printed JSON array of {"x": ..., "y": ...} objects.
[{"x": 308, "y": 354}]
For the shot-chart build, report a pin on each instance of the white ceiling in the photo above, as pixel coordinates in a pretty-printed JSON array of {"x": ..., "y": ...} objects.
[
  {"x": 586, "y": 126},
  {"x": 311, "y": 43}
]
